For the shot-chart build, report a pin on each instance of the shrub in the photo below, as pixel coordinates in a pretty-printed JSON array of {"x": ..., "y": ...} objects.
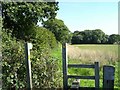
[
  {"x": 44, "y": 67},
  {"x": 44, "y": 38},
  {"x": 13, "y": 65}
]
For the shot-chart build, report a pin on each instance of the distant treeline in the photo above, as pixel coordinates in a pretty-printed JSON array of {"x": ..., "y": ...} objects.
[{"x": 96, "y": 36}]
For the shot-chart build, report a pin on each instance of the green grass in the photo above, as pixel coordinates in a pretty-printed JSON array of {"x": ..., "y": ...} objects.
[
  {"x": 88, "y": 54},
  {"x": 57, "y": 53}
]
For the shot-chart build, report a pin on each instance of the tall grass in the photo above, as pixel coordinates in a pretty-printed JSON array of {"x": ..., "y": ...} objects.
[
  {"x": 104, "y": 54},
  {"x": 88, "y": 54}
]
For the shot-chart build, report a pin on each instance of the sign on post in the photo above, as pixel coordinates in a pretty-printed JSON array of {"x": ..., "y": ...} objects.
[
  {"x": 28, "y": 46},
  {"x": 108, "y": 77}
]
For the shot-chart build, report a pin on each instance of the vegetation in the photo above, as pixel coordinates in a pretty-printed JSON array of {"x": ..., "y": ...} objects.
[
  {"x": 59, "y": 29},
  {"x": 94, "y": 37},
  {"x": 105, "y": 54},
  {"x": 20, "y": 25},
  {"x": 13, "y": 62},
  {"x": 45, "y": 71},
  {"x": 19, "y": 18},
  {"x": 88, "y": 54}
]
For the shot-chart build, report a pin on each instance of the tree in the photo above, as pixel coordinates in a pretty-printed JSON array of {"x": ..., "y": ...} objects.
[
  {"x": 114, "y": 38},
  {"x": 59, "y": 29},
  {"x": 98, "y": 36},
  {"x": 89, "y": 37},
  {"x": 20, "y": 17},
  {"x": 77, "y": 37}
]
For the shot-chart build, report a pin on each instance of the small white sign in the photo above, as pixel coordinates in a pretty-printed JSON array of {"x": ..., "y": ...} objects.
[{"x": 29, "y": 45}]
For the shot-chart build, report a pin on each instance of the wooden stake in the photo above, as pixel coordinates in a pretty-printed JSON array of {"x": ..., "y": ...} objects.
[{"x": 64, "y": 58}]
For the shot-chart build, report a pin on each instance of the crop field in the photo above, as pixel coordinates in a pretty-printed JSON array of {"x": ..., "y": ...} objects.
[{"x": 88, "y": 54}]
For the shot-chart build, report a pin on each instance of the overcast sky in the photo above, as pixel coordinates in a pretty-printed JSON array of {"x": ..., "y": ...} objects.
[{"x": 90, "y": 15}]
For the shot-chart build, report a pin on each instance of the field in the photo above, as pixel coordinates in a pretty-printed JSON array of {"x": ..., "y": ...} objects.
[
  {"x": 105, "y": 54},
  {"x": 88, "y": 54}
]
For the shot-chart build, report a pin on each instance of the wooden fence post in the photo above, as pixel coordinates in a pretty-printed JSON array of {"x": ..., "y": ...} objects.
[
  {"x": 97, "y": 75},
  {"x": 108, "y": 77},
  {"x": 65, "y": 66},
  {"x": 28, "y": 46}
]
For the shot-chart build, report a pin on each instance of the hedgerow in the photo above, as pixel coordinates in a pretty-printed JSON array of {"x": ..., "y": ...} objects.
[{"x": 45, "y": 71}]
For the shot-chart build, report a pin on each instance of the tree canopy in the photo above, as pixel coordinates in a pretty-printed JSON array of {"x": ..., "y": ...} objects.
[
  {"x": 60, "y": 30},
  {"x": 20, "y": 17},
  {"x": 114, "y": 38},
  {"x": 94, "y": 37}
]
